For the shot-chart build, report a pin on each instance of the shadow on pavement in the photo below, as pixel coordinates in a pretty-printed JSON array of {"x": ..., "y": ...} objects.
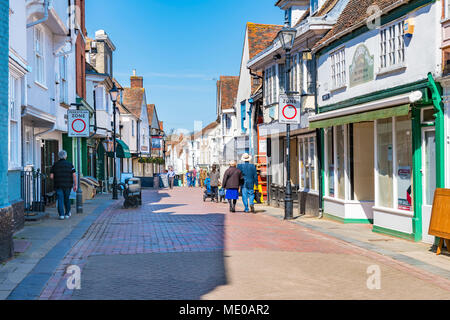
[{"x": 178, "y": 256}]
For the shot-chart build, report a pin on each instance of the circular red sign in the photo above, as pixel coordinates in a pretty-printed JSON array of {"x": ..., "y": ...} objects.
[
  {"x": 284, "y": 110},
  {"x": 79, "y": 131}
]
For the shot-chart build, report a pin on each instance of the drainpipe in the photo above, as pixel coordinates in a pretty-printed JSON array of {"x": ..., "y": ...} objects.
[
  {"x": 45, "y": 18},
  {"x": 95, "y": 115},
  {"x": 319, "y": 142}
]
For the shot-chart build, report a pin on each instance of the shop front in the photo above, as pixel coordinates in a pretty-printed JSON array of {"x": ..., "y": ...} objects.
[{"x": 381, "y": 162}]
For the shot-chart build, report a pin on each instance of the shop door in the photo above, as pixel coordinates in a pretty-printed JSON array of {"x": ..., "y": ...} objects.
[
  {"x": 49, "y": 155},
  {"x": 428, "y": 179}
]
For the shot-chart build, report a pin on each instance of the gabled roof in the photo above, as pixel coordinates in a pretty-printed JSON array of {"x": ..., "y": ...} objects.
[
  {"x": 260, "y": 36},
  {"x": 228, "y": 88},
  {"x": 133, "y": 99},
  {"x": 354, "y": 13}
]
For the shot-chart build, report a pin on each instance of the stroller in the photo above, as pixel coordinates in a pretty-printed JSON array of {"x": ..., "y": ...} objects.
[
  {"x": 208, "y": 192},
  {"x": 132, "y": 193},
  {"x": 221, "y": 194}
]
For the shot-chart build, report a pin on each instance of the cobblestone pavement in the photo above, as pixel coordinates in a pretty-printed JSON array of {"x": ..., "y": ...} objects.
[{"x": 177, "y": 247}]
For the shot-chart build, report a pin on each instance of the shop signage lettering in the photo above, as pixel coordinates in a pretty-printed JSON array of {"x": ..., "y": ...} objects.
[{"x": 361, "y": 69}]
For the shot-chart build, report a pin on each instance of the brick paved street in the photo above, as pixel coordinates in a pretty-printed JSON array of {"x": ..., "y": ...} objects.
[{"x": 177, "y": 247}]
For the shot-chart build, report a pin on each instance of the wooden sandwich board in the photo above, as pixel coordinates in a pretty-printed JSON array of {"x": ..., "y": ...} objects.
[{"x": 440, "y": 218}]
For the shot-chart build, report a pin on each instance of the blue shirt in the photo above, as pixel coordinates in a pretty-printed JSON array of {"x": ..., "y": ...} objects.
[{"x": 250, "y": 175}]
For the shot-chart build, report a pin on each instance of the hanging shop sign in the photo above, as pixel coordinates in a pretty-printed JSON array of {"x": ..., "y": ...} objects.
[
  {"x": 289, "y": 111},
  {"x": 78, "y": 123},
  {"x": 156, "y": 142},
  {"x": 361, "y": 70}
]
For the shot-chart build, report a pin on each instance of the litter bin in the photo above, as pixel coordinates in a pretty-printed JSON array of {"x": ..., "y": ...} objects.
[
  {"x": 156, "y": 182},
  {"x": 88, "y": 190}
]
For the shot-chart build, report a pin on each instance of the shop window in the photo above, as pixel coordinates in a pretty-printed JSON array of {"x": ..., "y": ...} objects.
[
  {"x": 330, "y": 161},
  {"x": 403, "y": 150},
  {"x": 385, "y": 154},
  {"x": 362, "y": 143},
  {"x": 340, "y": 161},
  {"x": 307, "y": 154}
]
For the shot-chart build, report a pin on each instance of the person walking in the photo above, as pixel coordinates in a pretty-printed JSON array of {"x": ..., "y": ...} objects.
[
  {"x": 250, "y": 182},
  {"x": 171, "y": 176},
  {"x": 231, "y": 182},
  {"x": 64, "y": 175},
  {"x": 214, "y": 176}
]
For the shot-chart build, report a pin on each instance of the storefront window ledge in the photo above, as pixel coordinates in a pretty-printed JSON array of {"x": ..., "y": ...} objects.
[
  {"x": 341, "y": 201},
  {"x": 309, "y": 191},
  {"x": 394, "y": 211}
]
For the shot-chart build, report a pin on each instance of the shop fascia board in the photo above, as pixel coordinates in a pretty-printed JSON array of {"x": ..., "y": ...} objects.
[
  {"x": 313, "y": 29},
  {"x": 407, "y": 98}
]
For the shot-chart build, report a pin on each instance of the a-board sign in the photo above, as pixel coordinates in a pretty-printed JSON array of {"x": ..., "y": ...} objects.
[
  {"x": 440, "y": 216},
  {"x": 289, "y": 109},
  {"x": 78, "y": 123}
]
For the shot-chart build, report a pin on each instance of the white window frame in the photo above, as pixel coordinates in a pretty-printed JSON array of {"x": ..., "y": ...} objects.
[
  {"x": 14, "y": 157},
  {"x": 304, "y": 142},
  {"x": 63, "y": 85},
  {"x": 39, "y": 55},
  {"x": 271, "y": 81},
  {"x": 338, "y": 67},
  {"x": 392, "y": 46},
  {"x": 395, "y": 177}
]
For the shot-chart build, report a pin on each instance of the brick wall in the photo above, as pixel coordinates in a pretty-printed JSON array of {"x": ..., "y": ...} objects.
[{"x": 6, "y": 213}]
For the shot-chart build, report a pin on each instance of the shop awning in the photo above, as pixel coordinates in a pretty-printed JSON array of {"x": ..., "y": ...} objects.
[
  {"x": 122, "y": 150},
  {"x": 361, "y": 117}
]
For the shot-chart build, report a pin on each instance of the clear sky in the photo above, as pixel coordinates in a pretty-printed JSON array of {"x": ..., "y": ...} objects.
[{"x": 180, "y": 47}]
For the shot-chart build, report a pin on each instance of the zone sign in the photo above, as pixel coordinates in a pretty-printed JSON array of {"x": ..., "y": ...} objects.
[
  {"x": 79, "y": 123},
  {"x": 289, "y": 109}
]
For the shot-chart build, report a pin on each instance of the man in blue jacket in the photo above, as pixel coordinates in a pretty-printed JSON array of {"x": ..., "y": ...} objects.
[{"x": 250, "y": 181}]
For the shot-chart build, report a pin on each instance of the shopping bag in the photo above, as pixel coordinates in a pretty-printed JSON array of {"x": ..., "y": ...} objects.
[{"x": 73, "y": 195}]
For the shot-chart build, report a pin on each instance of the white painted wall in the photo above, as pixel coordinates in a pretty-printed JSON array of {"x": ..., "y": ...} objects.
[{"x": 418, "y": 61}]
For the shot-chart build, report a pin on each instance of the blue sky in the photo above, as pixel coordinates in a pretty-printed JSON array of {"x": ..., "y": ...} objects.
[{"x": 181, "y": 47}]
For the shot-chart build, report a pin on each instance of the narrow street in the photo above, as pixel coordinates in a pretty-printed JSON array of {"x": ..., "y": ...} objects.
[{"x": 177, "y": 247}]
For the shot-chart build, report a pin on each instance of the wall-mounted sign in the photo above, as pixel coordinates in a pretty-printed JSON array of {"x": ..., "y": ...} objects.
[
  {"x": 78, "y": 123},
  {"x": 289, "y": 109},
  {"x": 326, "y": 97},
  {"x": 361, "y": 69}
]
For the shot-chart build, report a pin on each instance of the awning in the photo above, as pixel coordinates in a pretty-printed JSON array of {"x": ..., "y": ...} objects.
[
  {"x": 362, "y": 117},
  {"x": 122, "y": 150}
]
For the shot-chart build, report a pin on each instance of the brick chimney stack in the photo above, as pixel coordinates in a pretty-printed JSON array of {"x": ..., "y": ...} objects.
[{"x": 136, "y": 82}]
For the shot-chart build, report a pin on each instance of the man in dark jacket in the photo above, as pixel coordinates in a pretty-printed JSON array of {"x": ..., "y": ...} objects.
[
  {"x": 64, "y": 175},
  {"x": 215, "y": 177},
  {"x": 250, "y": 182}
]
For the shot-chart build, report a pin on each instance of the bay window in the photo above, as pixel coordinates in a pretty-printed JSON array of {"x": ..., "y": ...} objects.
[{"x": 270, "y": 85}]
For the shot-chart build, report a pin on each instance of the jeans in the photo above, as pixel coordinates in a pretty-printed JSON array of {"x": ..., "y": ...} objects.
[
  {"x": 248, "y": 197},
  {"x": 215, "y": 192},
  {"x": 171, "y": 180},
  {"x": 63, "y": 196}
]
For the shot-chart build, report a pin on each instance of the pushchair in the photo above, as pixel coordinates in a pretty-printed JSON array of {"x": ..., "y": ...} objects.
[
  {"x": 208, "y": 191},
  {"x": 221, "y": 194}
]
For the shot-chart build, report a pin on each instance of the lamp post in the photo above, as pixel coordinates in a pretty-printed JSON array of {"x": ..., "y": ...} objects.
[
  {"x": 287, "y": 37},
  {"x": 114, "y": 93}
]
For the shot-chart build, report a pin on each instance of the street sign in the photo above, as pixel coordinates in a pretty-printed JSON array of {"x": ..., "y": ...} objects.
[
  {"x": 289, "y": 109},
  {"x": 79, "y": 123}
]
